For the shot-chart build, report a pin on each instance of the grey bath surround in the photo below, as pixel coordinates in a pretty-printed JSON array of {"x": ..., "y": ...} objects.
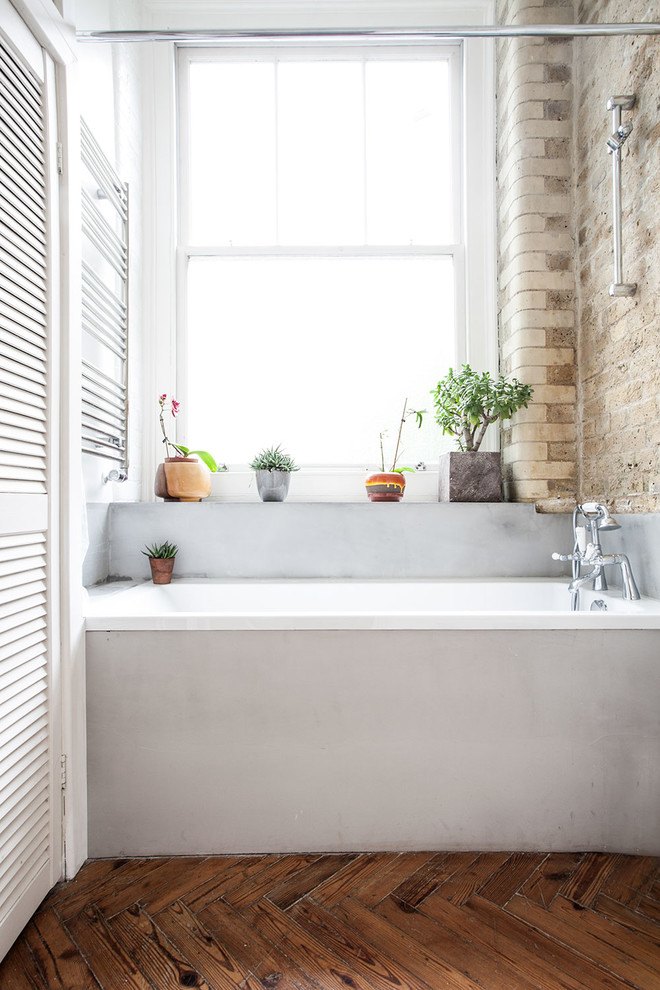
[
  {"x": 225, "y": 742},
  {"x": 342, "y": 540},
  {"x": 219, "y": 741},
  {"x": 353, "y": 540}
]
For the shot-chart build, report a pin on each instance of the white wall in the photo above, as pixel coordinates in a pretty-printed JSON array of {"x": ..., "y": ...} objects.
[
  {"x": 107, "y": 14},
  {"x": 115, "y": 14}
]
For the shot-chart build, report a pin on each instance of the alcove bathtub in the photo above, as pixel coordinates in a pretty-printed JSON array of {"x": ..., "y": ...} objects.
[{"x": 282, "y": 716}]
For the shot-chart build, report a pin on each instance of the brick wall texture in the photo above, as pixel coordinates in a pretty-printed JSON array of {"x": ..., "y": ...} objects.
[
  {"x": 593, "y": 429},
  {"x": 536, "y": 236},
  {"x": 619, "y": 340}
]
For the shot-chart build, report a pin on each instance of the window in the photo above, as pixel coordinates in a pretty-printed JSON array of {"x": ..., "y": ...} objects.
[{"x": 321, "y": 247}]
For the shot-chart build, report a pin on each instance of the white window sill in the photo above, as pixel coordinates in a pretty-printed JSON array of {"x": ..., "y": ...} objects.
[{"x": 320, "y": 485}]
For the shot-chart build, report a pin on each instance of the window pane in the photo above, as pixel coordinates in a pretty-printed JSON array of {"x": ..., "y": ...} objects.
[
  {"x": 321, "y": 153},
  {"x": 408, "y": 150},
  {"x": 335, "y": 152},
  {"x": 232, "y": 153},
  {"x": 316, "y": 354}
]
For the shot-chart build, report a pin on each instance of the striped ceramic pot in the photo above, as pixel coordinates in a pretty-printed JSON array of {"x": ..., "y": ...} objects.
[{"x": 388, "y": 486}]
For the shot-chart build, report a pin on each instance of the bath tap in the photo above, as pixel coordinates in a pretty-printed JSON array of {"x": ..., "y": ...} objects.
[
  {"x": 598, "y": 518},
  {"x": 599, "y": 560}
]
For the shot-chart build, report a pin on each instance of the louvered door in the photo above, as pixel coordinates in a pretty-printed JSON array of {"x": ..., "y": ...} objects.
[{"x": 30, "y": 814}]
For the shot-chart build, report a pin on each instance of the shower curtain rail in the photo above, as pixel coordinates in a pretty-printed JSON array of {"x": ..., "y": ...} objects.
[{"x": 391, "y": 35}]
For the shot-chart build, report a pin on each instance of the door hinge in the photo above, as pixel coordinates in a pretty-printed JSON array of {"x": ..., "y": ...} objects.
[
  {"x": 63, "y": 771},
  {"x": 59, "y": 157}
]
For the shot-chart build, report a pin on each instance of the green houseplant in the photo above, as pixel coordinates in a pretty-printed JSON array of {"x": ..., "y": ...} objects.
[
  {"x": 389, "y": 486},
  {"x": 273, "y": 469},
  {"x": 161, "y": 560},
  {"x": 466, "y": 404},
  {"x": 181, "y": 478}
]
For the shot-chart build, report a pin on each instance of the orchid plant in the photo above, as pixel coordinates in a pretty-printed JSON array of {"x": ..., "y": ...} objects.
[{"x": 173, "y": 406}]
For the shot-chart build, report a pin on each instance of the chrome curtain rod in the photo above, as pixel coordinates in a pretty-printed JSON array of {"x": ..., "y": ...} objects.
[{"x": 386, "y": 34}]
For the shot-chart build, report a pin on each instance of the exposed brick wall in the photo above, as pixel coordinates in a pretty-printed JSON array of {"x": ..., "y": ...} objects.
[
  {"x": 536, "y": 236},
  {"x": 619, "y": 341}
]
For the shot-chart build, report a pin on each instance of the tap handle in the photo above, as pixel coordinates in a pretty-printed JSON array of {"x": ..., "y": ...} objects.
[{"x": 564, "y": 556}]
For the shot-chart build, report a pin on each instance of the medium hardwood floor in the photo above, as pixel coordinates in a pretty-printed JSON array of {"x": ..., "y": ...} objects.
[{"x": 420, "y": 921}]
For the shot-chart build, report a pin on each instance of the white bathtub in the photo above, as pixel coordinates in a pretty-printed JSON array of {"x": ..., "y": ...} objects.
[
  {"x": 289, "y": 716},
  {"x": 323, "y": 604}
]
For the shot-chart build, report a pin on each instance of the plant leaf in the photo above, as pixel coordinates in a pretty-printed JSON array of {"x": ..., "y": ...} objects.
[{"x": 206, "y": 457}]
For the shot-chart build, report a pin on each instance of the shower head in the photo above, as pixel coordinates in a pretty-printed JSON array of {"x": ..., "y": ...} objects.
[
  {"x": 607, "y": 521},
  {"x": 616, "y": 141},
  {"x": 598, "y": 514}
]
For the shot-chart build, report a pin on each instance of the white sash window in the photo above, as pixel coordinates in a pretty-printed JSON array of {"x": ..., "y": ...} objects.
[{"x": 322, "y": 274}]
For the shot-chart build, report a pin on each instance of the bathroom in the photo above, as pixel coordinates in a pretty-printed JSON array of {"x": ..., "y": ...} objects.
[{"x": 352, "y": 712}]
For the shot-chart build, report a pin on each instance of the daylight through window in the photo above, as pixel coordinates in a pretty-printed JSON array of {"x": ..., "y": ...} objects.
[{"x": 321, "y": 247}]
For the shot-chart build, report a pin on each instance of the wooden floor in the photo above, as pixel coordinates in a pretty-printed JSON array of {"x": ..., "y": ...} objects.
[{"x": 423, "y": 921}]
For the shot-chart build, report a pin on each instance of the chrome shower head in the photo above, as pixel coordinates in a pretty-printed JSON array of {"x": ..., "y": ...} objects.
[
  {"x": 607, "y": 521},
  {"x": 598, "y": 514}
]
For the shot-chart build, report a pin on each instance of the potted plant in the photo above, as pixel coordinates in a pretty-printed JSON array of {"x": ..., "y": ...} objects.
[
  {"x": 466, "y": 404},
  {"x": 389, "y": 486},
  {"x": 273, "y": 472},
  {"x": 161, "y": 560},
  {"x": 181, "y": 477}
]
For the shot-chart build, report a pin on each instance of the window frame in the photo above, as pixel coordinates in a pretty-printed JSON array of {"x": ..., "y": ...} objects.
[{"x": 474, "y": 258}]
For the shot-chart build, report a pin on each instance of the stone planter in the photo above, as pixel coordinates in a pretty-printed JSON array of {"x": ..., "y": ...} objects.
[
  {"x": 273, "y": 486},
  {"x": 385, "y": 487},
  {"x": 470, "y": 477},
  {"x": 161, "y": 569},
  {"x": 182, "y": 479}
]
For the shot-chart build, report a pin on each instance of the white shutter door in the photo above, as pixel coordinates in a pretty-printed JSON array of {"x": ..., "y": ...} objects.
[{"x": 30, "y": 816}]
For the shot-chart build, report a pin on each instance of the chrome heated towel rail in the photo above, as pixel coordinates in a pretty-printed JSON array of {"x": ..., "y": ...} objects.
[{"x": 104, "y": 306}]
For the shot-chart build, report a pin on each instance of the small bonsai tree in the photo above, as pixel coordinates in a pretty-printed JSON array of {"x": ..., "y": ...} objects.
[
  {"x": 467, "y": 403},
  {"x": 273, "y": 459}
]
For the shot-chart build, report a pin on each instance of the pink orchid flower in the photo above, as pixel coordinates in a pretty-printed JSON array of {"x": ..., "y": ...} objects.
[{"x": 179, "y": 448}]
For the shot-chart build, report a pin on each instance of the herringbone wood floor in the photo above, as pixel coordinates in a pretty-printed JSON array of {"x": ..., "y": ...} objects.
[{"x": 421, "y": 921}]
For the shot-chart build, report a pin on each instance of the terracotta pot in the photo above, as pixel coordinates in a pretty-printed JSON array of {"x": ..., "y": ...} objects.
[
  {"x": 385, "y": 487},
  {"x": 161, "y": 569},
  {"x": 182, "y": 479}
]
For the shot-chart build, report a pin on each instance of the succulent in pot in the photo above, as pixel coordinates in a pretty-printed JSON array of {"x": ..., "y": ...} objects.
[
  {"x": 181, "y": 477},
  {"x": 273, "y": 469},
  {"x": 389, "y": 486},
  {"x": 161, "y": 560},
  {"x": 466, "y": 404}
]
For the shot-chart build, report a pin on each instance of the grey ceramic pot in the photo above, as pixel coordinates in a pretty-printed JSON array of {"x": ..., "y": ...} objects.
[{"x": 273, "y": 486}]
